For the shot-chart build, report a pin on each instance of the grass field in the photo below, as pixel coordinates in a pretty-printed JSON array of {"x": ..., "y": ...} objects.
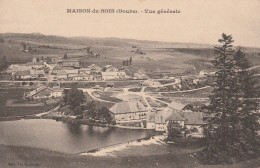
[
  {"x": 177, "y": 58},
  {"x": 11, "y": 111},
  {"x": 14, "y": 155}
]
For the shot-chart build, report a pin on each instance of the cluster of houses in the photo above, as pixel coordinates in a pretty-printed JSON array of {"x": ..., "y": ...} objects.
[
  {"x": 128, "y": 112},
  {"x": 65, "y": 70}
]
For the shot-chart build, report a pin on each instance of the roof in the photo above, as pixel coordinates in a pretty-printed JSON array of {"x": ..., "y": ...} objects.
[
  {"x": 62, "y": 72},
  {"x": 39, "y": 90},
  {"x": 109, "y": 73},
  {"x": 37, "y": 72},
  {"x": 71, "y": 71},
  {"x": 23, "y": 73},
  {"x": 57, "y": 67},
  {"x": 192, "y": 118},
  {"x": 128, "y": 107},
  {"x": 163, "y": 116},
  {"x": 34, "y": 63},
  {"x": 177, "y": 106}
]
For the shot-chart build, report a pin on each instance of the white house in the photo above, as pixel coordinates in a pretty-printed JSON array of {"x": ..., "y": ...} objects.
[
  {"x": 113, "y": 75},
  {"x": 127, "y": 111},
  {"x": 109, "y": 68},
  {"x": 162, "y": 119}
]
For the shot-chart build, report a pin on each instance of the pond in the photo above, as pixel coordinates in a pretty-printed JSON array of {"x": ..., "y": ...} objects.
[{"x": 64, "y": 137}]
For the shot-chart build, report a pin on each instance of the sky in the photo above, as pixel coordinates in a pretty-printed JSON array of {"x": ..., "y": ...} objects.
[{"x": 200, "y": 21}]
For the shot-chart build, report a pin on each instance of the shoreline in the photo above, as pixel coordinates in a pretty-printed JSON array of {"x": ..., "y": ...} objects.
[{"x": 107, "y": 150}]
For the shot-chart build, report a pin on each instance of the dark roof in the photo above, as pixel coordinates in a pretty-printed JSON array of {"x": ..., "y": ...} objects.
[
  {"x": 174, "y": 117},
  {"x": 166, "y": 115}
]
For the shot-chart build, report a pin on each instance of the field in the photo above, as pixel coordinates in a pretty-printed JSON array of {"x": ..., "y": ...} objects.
[
  {"x": 43, "y": 158},
  {"x": 159, "y": 57},
  {"x": 12, "y": 111}
]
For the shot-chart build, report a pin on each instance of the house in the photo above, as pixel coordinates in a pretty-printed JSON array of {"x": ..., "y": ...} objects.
[
  {"x": 35, "y": 73},
  {"x": 81, "y": 77},
  {"x": 176, "y": 106},
  {"x": 162, "y": 118},
  {"x": 127, "y": 111},
  {"x": 84, "y": 71},
  {"x": 70, "y": 63},
  {"x": 193, "y": 122},
  {"x": 150, "y": 120},
  {"x": 95, "y": 75},
  {"x": 23, "y": 75},
  {"x": 56, "y": 93},
  {"x": 174, "y": 121},
  {"x": 94, "y": 67},
  {"x": 61, "y": 75},
  {"x": 44, "y": 92},
  {"x": 109, "y": 68},
  {"x": 140, "y": 74},
  {"x": 196, "y": 81},
  {"x": 17, "y": 67},
  {"x": 35, "y": 65},
  {"x": 56, "y": 69},
  {"x": 151, "y": 83},
  {"x": 113, "y": 75},
  {"x": 71, "y": 72}
]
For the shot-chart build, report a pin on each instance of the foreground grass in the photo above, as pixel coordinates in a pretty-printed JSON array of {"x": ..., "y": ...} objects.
[{"x": 19, "y": 156}]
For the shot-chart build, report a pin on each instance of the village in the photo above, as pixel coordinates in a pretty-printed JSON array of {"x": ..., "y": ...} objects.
[{"x": 146, "y": 103}]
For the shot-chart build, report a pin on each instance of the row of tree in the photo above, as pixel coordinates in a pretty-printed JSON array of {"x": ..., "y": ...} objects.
[{"x": 127, "y": 62}]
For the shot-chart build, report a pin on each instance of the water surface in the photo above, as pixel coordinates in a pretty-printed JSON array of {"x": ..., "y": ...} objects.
[{"x": 64, "y": 137}]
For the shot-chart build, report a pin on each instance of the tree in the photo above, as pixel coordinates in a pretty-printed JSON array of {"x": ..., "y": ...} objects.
[
  {"x": 31, "y": 83},
  {"x": 65, "y": 56},
  {"x": 90, "y": 112},
  {"x": 130, "y": 60},
  {"x": 3, "y": 63},
  {"x": 38, "y": 59},
  {"x": 225, "y": 133},
  {"x": 104, "y": 114},
  {"x": 24, "y": 45},
  {"x": 78, "y": 110},
  {"x": 73, "y": 97},
  {"x": 174, "y": 131}
]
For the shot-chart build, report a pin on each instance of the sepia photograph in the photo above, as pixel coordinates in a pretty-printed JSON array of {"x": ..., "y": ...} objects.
[{"x": 129, "y": 83}]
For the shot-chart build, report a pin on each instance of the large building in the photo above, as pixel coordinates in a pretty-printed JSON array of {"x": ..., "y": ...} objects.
[{"x": 126, "y": 111}]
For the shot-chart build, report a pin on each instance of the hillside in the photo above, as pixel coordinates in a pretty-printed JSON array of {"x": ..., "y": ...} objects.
[{"x": 151, "y": 56}]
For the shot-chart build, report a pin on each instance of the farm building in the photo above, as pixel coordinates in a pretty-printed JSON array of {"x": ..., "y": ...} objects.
[{"x": 128, "y": 111}]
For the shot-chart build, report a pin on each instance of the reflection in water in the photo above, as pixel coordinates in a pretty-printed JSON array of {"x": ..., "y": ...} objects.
[
  {"x": 64, "y": 137},
  {"x": 74, "y": 128}
]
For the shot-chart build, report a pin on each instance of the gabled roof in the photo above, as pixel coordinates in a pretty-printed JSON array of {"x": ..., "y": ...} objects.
[
  {"x": 174, "y": 117},
  {"x": 61, "y": 72},
  {"x": 57, "y": 67},
  {"x": 23, "y": 73},
  {"x": 192, "y": 118},
  {"x": 177, "y": 106},
  {"x": 71, "y": 71},
  {"x": 163, "y": 116},
  {"x": 34, "y": 63},
  {"x": 40, "y": 89},
  {"x": 128, "y": 107}
]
